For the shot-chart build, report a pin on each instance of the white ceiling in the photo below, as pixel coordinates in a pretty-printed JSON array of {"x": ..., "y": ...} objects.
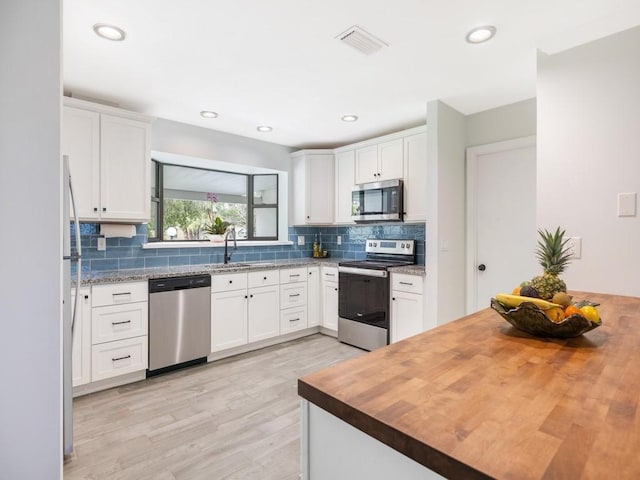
[{"x": 278, "y": 63}]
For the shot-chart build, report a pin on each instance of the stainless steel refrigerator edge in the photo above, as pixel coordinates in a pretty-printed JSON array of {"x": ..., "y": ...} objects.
[{"x": 68, "y": 310}]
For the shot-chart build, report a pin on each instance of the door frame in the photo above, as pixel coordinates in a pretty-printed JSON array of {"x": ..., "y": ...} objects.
[{"x": 473, "y": 157}]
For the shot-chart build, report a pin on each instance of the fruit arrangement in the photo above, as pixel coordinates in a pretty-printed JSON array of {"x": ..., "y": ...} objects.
[{"x": 542, "y": 306}]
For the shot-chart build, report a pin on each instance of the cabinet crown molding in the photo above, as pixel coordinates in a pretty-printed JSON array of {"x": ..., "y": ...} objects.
[{"x": 109, "y": 110}]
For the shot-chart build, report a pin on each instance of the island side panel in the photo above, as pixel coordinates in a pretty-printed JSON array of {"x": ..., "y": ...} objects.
[{"x": 332, "y": 449}]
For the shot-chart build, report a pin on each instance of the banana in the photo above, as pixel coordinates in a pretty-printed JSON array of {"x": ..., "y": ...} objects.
[{"x": 513, "y": 301}]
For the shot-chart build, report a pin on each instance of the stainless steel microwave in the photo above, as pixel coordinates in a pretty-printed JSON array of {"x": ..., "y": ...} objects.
[{"x": 377, "y": 201}]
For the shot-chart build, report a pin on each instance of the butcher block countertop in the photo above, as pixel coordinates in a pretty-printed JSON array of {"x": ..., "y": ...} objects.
[{"x": 477, "y": 398}]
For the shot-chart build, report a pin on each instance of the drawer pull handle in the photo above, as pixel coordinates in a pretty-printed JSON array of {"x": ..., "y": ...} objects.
[
  {"x": 119, "y": 297},
  {"x": 406, "y": 283},
  {"x": 120, "y": 358},
  {"x": 294, "y": 295},
  {"x": 294, "y": 319},
  {"x": 121, "y": 323},
  {"x": 294, "y": 275},
  {"x": 330, "y": 274}
]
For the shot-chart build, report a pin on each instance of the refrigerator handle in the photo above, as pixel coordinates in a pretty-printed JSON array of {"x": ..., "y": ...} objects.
[{"x": 78, "y": 254}]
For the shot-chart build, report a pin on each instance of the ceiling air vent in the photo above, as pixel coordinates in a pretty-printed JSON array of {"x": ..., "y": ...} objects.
[{"x": 361, "y": 40}]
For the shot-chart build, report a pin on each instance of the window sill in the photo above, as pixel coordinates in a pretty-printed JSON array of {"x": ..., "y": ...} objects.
[{"x": 206, "y": 243}]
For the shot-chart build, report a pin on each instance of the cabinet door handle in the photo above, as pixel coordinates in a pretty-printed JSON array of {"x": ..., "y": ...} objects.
[
  {"x": 393, "y": 298},
  {"x": 121, "y": 323},
  {"x": 230, "y": 281},
  {"x": 95, "y": 209},
  {"x": 336, "y": 289},
  {"x": 246, "y": 296},
  {"x": 104, "y": 209},
  {"x": 406, "y": 283},
  {"x": 120, "y": 358},
  {"x": 264, "y": 278},
  {"x": 251, "y": 296},
  {"x": 86, "y": 297}
]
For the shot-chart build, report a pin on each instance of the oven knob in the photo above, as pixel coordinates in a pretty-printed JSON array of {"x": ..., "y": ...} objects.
[
  {"x": 375, "y": 244},
  {"x": 402, "y": 245},
  {"x": 370, "y": 244}
]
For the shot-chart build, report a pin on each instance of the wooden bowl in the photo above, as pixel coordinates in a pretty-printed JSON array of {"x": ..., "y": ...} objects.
[{"x": 529, "y": 318}]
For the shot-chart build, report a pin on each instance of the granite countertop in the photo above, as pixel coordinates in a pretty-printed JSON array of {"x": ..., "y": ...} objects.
[
  {"x": 477, "y": 398},
  {"x": 410, "y": 270},
  {"x": 139, "y": 274}
]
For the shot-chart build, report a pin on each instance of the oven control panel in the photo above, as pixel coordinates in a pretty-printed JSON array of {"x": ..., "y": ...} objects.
[{"x": 399, "y": 247}]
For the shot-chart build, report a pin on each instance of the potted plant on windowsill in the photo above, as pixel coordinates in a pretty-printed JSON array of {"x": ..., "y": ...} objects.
[{"x": 215, "y": 227}]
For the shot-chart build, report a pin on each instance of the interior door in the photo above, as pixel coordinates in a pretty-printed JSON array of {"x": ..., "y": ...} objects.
[{"x": 501, "y": 219}]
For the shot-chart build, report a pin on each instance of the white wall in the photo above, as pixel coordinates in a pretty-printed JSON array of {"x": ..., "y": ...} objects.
[
  {"x": 588, "y": 149},
  {"x": 445, "y": 228},
  {"x": 502, "y": 123},
  {"x": 30, "y": 199},
  {"x": 182, "y": 139}
]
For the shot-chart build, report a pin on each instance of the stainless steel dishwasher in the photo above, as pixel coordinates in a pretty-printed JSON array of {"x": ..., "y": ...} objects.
[{"x": 179, "y": 322}]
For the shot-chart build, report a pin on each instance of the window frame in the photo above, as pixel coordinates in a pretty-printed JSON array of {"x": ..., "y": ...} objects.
[{"x": 158, "y": 200}]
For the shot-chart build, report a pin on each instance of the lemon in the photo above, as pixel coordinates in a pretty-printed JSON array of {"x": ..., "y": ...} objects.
[
  {"x": 590, "y": 313},
  {"x": 555, "y": 314}
]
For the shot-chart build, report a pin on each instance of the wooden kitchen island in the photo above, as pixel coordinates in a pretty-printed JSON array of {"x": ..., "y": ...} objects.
[{"x": 477, "y": 398}]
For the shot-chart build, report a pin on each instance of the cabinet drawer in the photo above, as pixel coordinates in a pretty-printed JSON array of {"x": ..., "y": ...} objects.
[
  {"x": 118, "y": 293},
  {"x": 293, "y": 295},
  {"x": 293, "y": 319},
  {"x": 226, "y": 282},
  {"x": 263, "y": 278},
  {"x": 406, "y": 283},
  {"x": 330, "y": 274},
  {"x": 291, "y": 275},
  {"x": 118, "y": 358},
  {"x": 118, "y": 322}
]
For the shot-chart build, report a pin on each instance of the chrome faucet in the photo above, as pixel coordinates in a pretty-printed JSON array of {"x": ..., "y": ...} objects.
[{"x": 227, "y": 256}]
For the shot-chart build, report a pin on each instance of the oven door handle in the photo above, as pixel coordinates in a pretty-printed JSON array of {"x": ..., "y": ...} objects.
[{"x": 364, "y": 271}]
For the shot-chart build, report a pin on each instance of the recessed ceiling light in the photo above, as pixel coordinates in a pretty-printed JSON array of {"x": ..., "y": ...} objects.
[
  {"x": 264, "y": 128},
  {"x": 349, "y": 118},
  {"x": 481, "y": 34},
  {"x": 110, "y": 32},
  {"x": 208, "y": 114}
]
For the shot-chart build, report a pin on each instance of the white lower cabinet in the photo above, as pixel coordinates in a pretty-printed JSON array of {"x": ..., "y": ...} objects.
[
  {"x": 244, "y": 308},
  {"x": 118, "y": 358},
  {"x": 313, "y": 296},
  {"x": 81, "y": 350},
  {"x": 329, "y": 297},
  {"x": 229, "y": 318},
  {"x": 407, "y": 308},
  {"x": 293, "y": 299},
  {"x": 263, "y": 313},
  {"x": 119, "y": 329}
]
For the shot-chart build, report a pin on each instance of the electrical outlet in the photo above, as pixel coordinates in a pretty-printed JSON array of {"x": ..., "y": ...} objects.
[
  {"x": 339, "y": 239},
  {"x": 300, "y": 239},
  {"x": 102, "y": 244},
  {"x": 575, "y": 247}
]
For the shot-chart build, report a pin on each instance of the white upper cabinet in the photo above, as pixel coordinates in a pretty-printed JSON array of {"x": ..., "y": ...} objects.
[
  {"x": 345, "y": 180},
  {"x": 313, "y": 185},
  {"x": 124, "y": 168},
  {"x": 415, "y": 177},
  {"x": 81, "y": 143},
  {"x": 109, "y": 159},
  {"x": 382, "y": 161}
]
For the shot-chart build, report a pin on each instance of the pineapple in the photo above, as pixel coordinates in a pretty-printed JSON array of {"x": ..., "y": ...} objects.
[{"x": 554, "y": 256}]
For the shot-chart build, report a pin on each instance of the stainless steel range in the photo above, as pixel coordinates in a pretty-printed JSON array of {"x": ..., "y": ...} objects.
[{"x": 363, "y": 294}]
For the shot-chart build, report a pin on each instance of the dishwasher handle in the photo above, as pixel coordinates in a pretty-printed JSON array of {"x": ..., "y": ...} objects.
[{"x": 179, "y": 283}]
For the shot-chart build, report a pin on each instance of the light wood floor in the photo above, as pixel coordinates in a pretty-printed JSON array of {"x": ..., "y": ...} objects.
[{"x": 236, "y": 418}]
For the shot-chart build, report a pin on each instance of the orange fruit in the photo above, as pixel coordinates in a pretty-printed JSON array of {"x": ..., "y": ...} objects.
[
  {"x": 515, "y": 291},
  {"x": 590, "y": 313},
  {"x": 572, "y": 310},
  {"x": 555, "y": 314}
]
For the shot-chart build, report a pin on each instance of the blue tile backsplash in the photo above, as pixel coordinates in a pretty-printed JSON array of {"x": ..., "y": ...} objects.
[{"x": 127, "y": 253}]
